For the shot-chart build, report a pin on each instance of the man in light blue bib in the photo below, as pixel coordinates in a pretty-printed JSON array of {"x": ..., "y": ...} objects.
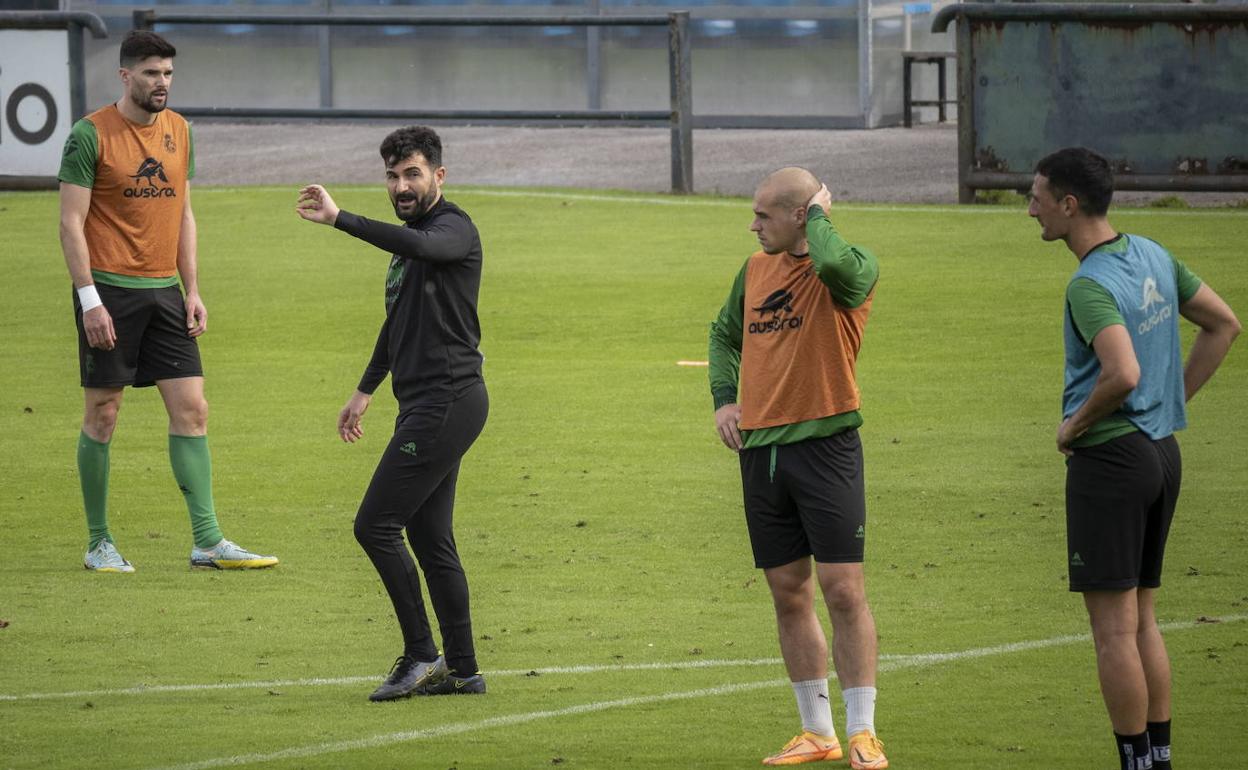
[{"x": 1125, "y": 390}]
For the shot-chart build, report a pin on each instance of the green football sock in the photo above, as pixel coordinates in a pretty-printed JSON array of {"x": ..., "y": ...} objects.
[
  {"x": 192, "y": 467},
  {"x": 93, "y": 473}
]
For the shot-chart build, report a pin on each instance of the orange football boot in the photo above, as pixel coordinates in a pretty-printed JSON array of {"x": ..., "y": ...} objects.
[
  {"x": 866, "y": 752},
  {"x": 807, "y": 747}
]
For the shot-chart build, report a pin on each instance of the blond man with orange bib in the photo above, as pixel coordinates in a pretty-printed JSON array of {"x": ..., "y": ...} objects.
[
  {"x": 782, "y": 371},
  {"x": 128, "y": 234}
]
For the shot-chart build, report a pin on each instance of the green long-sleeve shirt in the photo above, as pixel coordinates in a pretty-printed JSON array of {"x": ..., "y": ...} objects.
[{"x": 850, "y": 273}]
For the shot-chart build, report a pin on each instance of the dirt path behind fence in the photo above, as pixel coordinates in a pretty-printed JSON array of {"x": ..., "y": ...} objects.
[{"x": 889, "y": 165}]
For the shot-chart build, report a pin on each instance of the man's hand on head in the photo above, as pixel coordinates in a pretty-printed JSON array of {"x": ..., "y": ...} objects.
[
  {"x": 316, "y": 205},
  {"x": 822, "y": 199}
]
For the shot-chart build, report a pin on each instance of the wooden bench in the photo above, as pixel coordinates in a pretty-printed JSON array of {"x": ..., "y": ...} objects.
[{"x": 908, "y": 59}]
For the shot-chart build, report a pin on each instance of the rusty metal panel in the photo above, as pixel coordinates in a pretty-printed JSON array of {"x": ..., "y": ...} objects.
[{"x": 1160, "y": 90}]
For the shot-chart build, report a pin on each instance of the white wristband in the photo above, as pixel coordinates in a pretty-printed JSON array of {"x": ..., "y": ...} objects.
[{"x": 89, "y": 297}]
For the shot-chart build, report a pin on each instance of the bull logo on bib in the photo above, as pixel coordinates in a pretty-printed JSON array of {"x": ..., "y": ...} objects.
[
  {"x": 149, "y": 171},
  {"x": 1153, "y": 297},
  {"x": 777, "y": 303}
]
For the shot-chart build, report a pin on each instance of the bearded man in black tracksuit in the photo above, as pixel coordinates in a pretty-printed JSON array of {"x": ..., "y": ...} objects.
[{"x": 428, "y": 346}]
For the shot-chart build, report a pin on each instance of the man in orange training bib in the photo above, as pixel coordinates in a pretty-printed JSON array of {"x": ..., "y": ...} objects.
[
  {"x": 782, "y": 358},
  {"x": 128, "y": 233}
]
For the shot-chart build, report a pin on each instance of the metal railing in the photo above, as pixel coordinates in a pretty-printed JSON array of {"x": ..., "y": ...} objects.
[{"x": 679, "y": 115}]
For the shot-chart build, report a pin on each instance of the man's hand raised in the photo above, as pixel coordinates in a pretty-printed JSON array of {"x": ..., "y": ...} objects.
[{"x": 315, "y": 205}]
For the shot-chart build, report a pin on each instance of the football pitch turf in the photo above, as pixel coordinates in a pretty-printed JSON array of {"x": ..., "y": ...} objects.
[{"x": 618, "y": 617}]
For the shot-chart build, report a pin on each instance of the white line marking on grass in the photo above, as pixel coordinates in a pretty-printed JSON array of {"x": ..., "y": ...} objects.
[
  {"x": 693, "y": 363},
  {"x": 343, "y": 680},
  {"x": 156, "y": 689},
  {"x": 657, "y": 666},
  {"x": 387, "y": 739},
  {"x": 592, "y": 668}
]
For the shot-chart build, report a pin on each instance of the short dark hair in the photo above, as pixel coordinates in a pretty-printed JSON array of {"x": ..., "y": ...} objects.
[
  {"x": 403, "y": 142},
  {"x": 1082, "y": 173},
  {"x": 142, "y": 43}
]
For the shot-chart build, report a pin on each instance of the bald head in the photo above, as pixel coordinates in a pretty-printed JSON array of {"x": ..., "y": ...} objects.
[
  {"x": 789, "y": 188},
  {"x": 780, "y": 210}
]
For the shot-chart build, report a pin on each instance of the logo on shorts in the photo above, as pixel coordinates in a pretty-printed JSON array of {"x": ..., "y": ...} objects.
[
  {"x": 409, "y": 448},
  {"x": 150, "y": 170},
  {"x": 1076, "y": 560},
  {"x": 778, "y": 303},
  {"x": 861, "y": 533}
]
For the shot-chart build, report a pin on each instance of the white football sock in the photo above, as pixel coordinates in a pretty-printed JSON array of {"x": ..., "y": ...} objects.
[
  {"x": 814, "y": 706},
  {"x": 859, "y": 709}
]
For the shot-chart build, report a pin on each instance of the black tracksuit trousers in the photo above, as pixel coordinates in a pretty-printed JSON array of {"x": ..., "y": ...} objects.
[{"x": 413, "y": 488}]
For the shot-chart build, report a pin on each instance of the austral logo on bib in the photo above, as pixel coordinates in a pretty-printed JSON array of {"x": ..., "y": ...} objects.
[
  {"x": 149, "y": 171},
  {"x": 1153, "y": 297},
  {"x": 775, "y": 314}
]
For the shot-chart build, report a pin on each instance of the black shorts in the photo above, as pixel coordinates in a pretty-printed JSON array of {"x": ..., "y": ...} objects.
[
  {"x": 152, "y": 340},
  {"x": 1120, "y": 499},
  {"x": 811, "y": 502}
]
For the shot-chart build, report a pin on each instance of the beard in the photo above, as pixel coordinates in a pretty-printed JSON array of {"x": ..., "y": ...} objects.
[
  {"x": 423, "y": 204},
  {"x": 149, "y": 104}
]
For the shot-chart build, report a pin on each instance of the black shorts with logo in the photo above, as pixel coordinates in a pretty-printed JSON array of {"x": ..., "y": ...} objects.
[
  {"x": 812, "y": 501},
  {"x": 152, "y": 340},
  {"x": 1120, "y": 499}
]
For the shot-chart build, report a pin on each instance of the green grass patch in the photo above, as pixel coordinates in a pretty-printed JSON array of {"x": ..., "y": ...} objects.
[
  {"x": 1000, "y": 198},
  {"x": 598, "y": 516},
  {"x": 1168, "y": 202}
]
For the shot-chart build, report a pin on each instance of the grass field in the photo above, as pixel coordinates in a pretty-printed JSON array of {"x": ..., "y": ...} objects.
[{"x": 619, "y": 619}]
